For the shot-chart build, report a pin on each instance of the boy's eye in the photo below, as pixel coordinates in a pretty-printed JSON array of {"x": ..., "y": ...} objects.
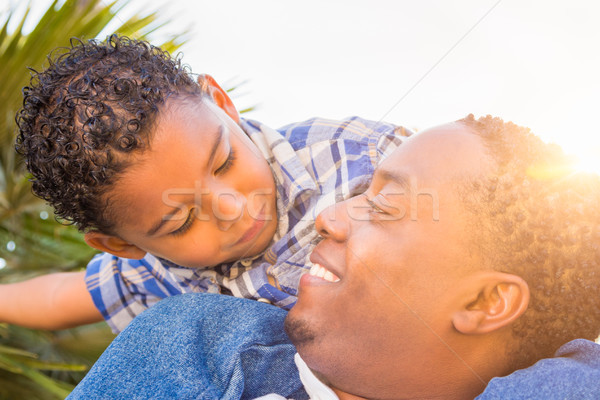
[
  {"x": 227, "y": 164},
  {"x": 187, "y": 224}
]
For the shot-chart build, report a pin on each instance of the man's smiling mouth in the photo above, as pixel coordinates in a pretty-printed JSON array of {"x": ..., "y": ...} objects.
[{"x": 320, "y": 272}]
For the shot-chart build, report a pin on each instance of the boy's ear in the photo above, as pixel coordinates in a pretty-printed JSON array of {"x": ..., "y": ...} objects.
[
  {"x": 219, "y": 96},
  {"x": 113, "y": 245},
  {"x": 498, "y": 299}
]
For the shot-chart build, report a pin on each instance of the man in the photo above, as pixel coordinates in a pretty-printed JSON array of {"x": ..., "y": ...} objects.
[{"x": 472, "y": 254}]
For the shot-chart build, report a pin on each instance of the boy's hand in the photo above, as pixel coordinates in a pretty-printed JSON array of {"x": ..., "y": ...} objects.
[{"x": 55, "y": 301}]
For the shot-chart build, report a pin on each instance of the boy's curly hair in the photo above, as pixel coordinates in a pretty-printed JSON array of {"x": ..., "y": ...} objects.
[
  {"x": 539, "y": 219},
  {"x": 84, "y": 116}
]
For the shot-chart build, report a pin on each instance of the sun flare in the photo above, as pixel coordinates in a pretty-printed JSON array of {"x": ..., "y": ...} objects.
[{"x": 587, "y": 157}]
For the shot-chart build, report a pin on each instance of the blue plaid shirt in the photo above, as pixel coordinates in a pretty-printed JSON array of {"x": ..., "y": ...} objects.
[{"x": 315, "y": 164}]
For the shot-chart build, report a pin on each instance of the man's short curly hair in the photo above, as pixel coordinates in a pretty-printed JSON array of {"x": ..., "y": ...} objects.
[
  {"x": 86, "y": 114},
  {"x": 539, "y": 219}
]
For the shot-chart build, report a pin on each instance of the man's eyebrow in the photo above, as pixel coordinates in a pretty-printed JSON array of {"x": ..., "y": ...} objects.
[
  {"x": 387, "y": 175},
  {"x": 163, "y": 221}
]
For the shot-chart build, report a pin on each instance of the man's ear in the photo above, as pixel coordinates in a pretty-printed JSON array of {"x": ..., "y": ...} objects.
[
  {"x": 497, "y": 300},
  {"x": 113, "y": 245},
  {"x": 219, "y": 96}
]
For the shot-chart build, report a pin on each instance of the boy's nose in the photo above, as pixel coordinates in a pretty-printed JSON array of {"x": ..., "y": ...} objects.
[
  {"x": 333, "y": 222},
  {"x": 227, "y": 207}
]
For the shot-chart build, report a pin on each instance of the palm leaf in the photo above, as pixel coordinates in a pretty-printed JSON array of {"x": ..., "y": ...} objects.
[
  {"x": 41, "y": 364},
  {"x": 59, "y": 389},
  {"x": 74, "y": 18}
]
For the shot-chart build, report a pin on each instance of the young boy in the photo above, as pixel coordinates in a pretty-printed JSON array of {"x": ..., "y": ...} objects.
[{"x": 179, "y": 192}]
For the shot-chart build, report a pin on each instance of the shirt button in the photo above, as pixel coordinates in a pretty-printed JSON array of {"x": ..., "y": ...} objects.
[
  {"x": 246, "y": 263},
  {"x": 263, "y": 300}
]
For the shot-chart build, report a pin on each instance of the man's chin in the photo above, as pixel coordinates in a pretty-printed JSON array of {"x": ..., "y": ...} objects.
[{"x": 299, "y": 331}]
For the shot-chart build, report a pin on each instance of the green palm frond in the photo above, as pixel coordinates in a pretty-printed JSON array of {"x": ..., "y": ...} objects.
[
  {"x": 35, "y": 243},
  {"x": 41, "y": 364}
]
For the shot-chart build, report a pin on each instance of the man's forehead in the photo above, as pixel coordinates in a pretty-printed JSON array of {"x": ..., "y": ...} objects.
[
  {"x": 442, "y": 151},
  {"x": 387, "y": 173}
]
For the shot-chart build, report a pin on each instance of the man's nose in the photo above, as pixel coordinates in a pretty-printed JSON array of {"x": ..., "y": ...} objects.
[{"x": 333, "y": 222}]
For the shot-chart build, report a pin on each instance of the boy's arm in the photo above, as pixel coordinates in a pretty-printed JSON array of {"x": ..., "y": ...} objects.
[{"x": 55, "y": 301}]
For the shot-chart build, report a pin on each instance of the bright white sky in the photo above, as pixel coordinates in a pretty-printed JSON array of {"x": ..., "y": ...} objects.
[{"x": 535, "y": 62}]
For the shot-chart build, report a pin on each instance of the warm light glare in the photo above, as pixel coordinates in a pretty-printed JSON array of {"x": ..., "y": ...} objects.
[
  {"x": 588, "y": 165},
  {"x": 588, "y": 158}
]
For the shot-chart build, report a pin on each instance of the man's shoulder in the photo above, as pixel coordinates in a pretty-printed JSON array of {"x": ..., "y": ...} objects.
[{"x": 573, "y": 373}]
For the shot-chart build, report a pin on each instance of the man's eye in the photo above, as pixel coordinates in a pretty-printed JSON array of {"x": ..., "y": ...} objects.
[
  {"x": 381, "y": 209},
  {"x": 227, "y": 164},
  {"x": 187, "y": 224},
  {"x": 374, "y": 207}
]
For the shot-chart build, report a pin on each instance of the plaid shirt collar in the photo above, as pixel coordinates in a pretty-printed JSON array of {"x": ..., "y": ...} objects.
[{"x": 290, "y": 174}]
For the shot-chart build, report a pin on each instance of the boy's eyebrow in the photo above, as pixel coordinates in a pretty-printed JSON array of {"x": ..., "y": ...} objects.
[
  {"x": 213, "y": 151},
  {"x": 215, "y": 146}
]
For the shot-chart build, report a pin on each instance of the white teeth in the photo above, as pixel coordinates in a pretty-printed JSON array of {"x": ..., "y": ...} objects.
[
  {"x": 329, "y": 276},
  {"x": 320, "y": 272},
  {"x": 313, "y": 270}
]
